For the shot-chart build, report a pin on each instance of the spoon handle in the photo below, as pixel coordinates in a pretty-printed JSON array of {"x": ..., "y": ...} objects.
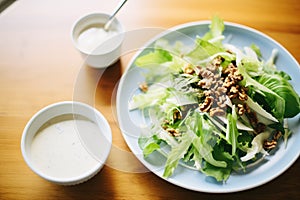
[{"x": 111, "y": 18}]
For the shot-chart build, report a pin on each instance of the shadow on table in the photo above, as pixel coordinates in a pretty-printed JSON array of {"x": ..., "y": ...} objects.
[
  {"x": 98, "y": 187},
  {"x": 96, "y": 86}
]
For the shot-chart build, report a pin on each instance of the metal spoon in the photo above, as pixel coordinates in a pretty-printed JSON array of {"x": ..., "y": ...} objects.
[{"x": 111, "y": 18}]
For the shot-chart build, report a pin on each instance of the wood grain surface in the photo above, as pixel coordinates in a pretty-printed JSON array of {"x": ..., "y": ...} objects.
[{"x": 40, "y": 66}]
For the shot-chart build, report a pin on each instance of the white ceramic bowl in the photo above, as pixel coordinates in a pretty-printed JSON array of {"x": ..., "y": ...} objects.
[
  {"x": 59, "y": 157},
  {"x": 106, "y": 53}
]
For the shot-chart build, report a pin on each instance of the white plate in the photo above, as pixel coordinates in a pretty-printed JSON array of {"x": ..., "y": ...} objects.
[{"x": 130, "y": 121}]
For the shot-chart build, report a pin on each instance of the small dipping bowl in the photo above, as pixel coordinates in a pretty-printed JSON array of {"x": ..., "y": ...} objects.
[
  {"x": 66, "y": 143},
  {"x": 98, "y": 47}
]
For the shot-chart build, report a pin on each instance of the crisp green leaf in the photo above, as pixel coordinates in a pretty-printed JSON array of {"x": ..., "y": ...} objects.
[
  {"x": 204, "y": 149},
  {"x": 285, "y": 90},
  {"x": 273, "y": 100},
  {"x": 256, "y": 49},
  {"x": 176, "y": 49},
  {"x": 204, "y": 143},
  {"x": 202, "y": 51},
  {"x": 155, "y": 57},
  {"x": 149, "y": 144},
  {"x": 150, "y": 148},
  {"x": 232, "y": 131},
  {"x": 216, "y": 29},
  {"x": 258, "y": 109},
  {"x": 252, "y": 66},
  {"x": 257, "y": 146},
  {"x": 219, "y": 173},
  {"x": 177, "y": 153},
  {"x": 150, "y": 98},
  {"x": 217, "y": 26}
]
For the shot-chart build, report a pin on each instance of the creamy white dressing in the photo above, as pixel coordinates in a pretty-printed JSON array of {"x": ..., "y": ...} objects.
[
  {"x": 57, "y": 150},
  {"x": 93, "y": 37}
]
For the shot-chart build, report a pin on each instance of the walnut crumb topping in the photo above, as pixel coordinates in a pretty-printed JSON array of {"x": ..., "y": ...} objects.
[
  {"x": 234, "y": 90},
  {"x": 188, "y": 69},
  {"x": 173, "y": 132},
  {"x": 268, "y": 145},
  {"x": 214, "y": 91},
  {"x": 143, "y": 86}
]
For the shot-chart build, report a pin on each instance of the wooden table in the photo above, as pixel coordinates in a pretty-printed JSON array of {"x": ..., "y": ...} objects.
[{"x": 39, "y": 66}]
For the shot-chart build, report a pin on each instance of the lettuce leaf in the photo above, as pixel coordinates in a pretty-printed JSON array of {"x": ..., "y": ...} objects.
[
  {"x": 177, "y": 153},
  {"x": 275, "y": 102},
  {"x": 205, "y": 141},
  {"x": 150, "y": 98},
  {"x": 232, "y": 131},
  {"x": 197, "y": 143},
  {"x": 285, "y": 90},
  {"x": 259, "y": 110},
  {"x": 158, "y": 56},
  {"x": 257, "y": 146},
  {"x": 215, "y": 32},
  {"x": 149, "y": 144},
  {"x": 270, "y": 83},
  {"x": 220, "y": 174},
  {"x": 203, "y": 51}
]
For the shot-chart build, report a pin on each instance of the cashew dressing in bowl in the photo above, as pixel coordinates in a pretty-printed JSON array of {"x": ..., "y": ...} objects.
[
  {"x": 57, "y": 151},
  {"x": 67, "y": 142},
  {"x": 93, "y": 36}
]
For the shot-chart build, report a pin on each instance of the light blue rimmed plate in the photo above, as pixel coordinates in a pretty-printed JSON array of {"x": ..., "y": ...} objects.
[{"x": 130, "y": 122}]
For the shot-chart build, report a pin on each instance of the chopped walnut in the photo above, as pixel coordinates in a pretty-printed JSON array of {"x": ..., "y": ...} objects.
[
  {"x": 242, "y": 95},
  {"x": 229, "y": 68},
  {"x": 212, "y": 83},
  {"x": 206, "y": 105},
  {"x": 176, "y": 115},
  {"x": 218, "y": 84},
  {"x": 173, "y": 132},
  {"x": 188, "y": 69},
  {"x": 217, "y": 61},
  {"x": 241, "y": 109},
  {"x": 234, "y": 90},
  {"x": 216, "y": 112},
  {"x": 221, "y": 89},
  {"x": 204, "y": 73},
  {"x": 233, "y": 96},
  {"x": 206, "y": 83},
  {"x": 227, "y": 83},
  {"x": 207, "y": 93},
  {"x": 270, "y": 144},
  {"x": 257, "y": 126},
  {"x": 143, "y": 86},
  {"x": 277, "y": 135}
]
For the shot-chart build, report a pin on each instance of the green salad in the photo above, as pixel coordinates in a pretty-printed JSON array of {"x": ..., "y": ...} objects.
[{"x": 214, "y": 108}]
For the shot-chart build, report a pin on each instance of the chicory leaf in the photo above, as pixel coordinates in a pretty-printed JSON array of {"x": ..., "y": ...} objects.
[
  {"x": 204, "y": 143},
  {"x": 283, "y": 89},
  {"x": 150, "y": 98},
  {"x": 232, "y": 131},
  {"x": 220, "y": 174},
  {"x": 158, "y": 56},
  {"x": 257, "y": 146},
  {"x": 215, "y": 32},
  {"x": 149, "y": 144},
  {"x": 202, "y": 51},
  {"x": 176, "y": 153},
  {"x": 274, "y": 101}
]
